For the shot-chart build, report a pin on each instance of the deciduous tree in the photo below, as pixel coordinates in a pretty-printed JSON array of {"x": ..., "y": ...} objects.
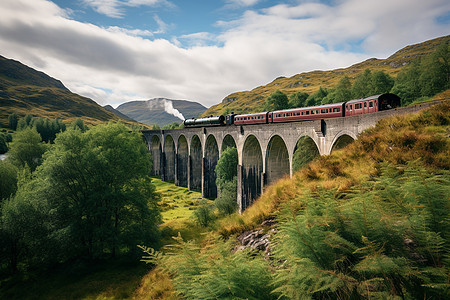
[{"x": 277, "y": 100}]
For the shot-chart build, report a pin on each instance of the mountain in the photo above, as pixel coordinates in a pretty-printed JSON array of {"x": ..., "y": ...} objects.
[
  {"x": 310, "y": 82},
  {"x": 24, "y": 90},
  {"x": 118, "y": 113},
  {"x": 161, "y": 111}
]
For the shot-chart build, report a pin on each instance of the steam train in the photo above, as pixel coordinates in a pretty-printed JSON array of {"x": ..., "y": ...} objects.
[{"x": 355, "y": 107}]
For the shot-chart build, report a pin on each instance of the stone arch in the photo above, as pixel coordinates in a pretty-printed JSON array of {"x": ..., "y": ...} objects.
[
  {"x": 169, "y": 155},
  {"x": 228, "y": 141},
  {"x": 182, "y": 161},
  {"x": 156, "y": 151},
  {"x": 195, "y": 162},
  {"x": 252, "y": 171},
  {"x": 342, "y": 139},
  {"x": 211, "y": 158},
  {"x": 306, "y": 149},
  {"x": 277, "y": 159}
]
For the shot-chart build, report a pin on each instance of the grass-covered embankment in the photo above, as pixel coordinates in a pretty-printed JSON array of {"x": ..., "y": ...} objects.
[{"x": 368, "y": 221}]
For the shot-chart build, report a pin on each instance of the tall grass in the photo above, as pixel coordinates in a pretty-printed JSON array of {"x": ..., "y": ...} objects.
[{"x": 368, "y": 221}]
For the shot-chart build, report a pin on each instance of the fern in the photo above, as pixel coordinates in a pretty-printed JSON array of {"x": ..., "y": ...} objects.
[
  {"x": 214, "y": 272},
  {"x": 386, "y": 238}
]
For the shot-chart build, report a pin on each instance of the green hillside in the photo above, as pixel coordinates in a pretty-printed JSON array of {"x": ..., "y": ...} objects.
[
  {"x": 310, "y": 82},
  {"x": 24, "y": 90}
]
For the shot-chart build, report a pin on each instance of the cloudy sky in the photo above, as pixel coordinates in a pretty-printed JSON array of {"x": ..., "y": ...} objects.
[{"x": 115, "y": 51}]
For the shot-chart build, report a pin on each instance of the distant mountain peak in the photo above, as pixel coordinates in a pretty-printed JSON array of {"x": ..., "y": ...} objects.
[{"x": 161, "y": 111}]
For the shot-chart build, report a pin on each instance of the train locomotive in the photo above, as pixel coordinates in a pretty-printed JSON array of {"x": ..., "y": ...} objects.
[{"x": 361, "y": 106}]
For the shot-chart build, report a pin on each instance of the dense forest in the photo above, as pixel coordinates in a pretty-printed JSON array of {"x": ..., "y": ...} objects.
[{"x": 86, "y": 194}]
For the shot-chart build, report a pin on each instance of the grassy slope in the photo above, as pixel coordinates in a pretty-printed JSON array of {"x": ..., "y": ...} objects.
[
  {"x": 310, "y": 82},
  {"x": 421, "y": 138},
  {"x": 24, "y": 90}
]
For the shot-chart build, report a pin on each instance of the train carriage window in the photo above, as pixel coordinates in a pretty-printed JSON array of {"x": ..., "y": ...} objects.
[
  {"x": 370, "y": 104},
  {"x": 312, "y": 112},
  {"x": 351, "y": 107},
  {"x": 365, "y": 104},
  {"x": 307, "y": 112},
  {"x": 317, "y": 111}
]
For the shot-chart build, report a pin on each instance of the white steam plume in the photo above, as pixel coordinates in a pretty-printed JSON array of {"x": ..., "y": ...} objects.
[{"x": 166, "y": 105}]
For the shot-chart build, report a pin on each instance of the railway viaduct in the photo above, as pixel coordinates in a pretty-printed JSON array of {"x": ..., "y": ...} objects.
[{"x": 265, "y": 152}]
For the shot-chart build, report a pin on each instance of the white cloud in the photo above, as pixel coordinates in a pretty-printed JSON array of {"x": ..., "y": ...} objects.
[
  {"x": 116, "y": 8},
  {"x": 113, "y": 65},
  {"x": 132, "y": 32},
  {"x": 139, "y": 32},
  {"x": 242, "y": 3},
  {"x": 110, "y": 8}
]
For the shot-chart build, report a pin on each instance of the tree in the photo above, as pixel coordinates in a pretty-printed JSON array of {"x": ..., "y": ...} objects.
[
  {"x": 226, "y": 203},
  {"x": 361, "y": 88},
  {"x": 13, "y": 119},
  {"x": 381, "y": 83},
  {"x": 25, "y": 226},
  {"x": 317, "y": 97},
  {"x": 424, "y": 77},
  {"x": 173, "y": 125},
  {"x": 8, "y": 179},
  {"x": 306, "y": 150},
  {"x": 226, "y": 167},
  {"x": 98, "y": 186},
  {"x": 3, "y": 144},
  {"x": 276, "y": 101},
  {"x": 298, "y": 99},
  {"x": 436, "y": 71},
  {"x": 407, "y": 83},
  {"x": 343, "y": 91},
  {"x": 226, "y": 180},
  {"x": 26, "y": 149},
  {"x": 78, "y": 123}
]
